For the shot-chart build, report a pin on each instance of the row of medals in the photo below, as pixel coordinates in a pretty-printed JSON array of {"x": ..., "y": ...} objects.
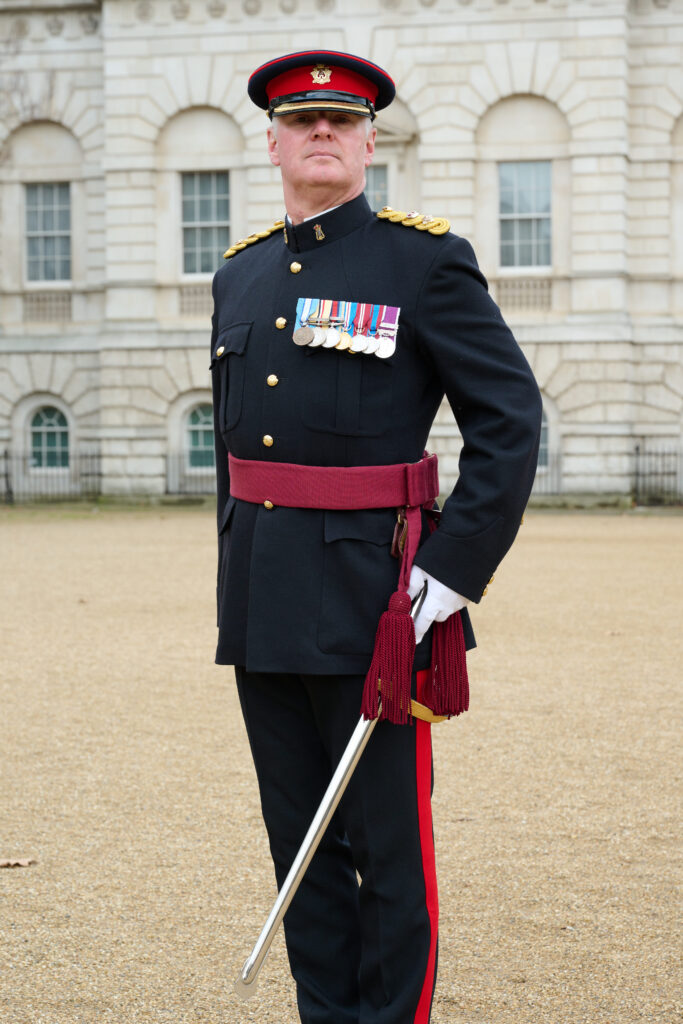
[{"x": 327, "y": 334}]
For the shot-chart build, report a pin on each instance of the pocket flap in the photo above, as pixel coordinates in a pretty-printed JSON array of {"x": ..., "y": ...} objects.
[
  {"x": 227, "y": 513},
  {"x": 375, "y": 525},
  {"x": 232, "y": 339}
]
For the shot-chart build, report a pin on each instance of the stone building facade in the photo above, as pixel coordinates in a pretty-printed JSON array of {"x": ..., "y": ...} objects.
[{"x": 549, "y": 132}]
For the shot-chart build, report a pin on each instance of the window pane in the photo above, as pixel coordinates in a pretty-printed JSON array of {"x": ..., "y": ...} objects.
[
  {"x": 525, "y": 255},
  {"x": 205, "y": 210},
  {"x": 188, "y": 185},
  {"x": 526, "y": 177},
  {"x": 205, "y": 184},
  {"x": 507, "y": 201},
  {"x": 543, "y": 228},
  {"x": 506, "y": 176},
  {"x": 507, "y": 255},
  {"x": 223, "y": 209},
  {"x": 508, "y": 230}
]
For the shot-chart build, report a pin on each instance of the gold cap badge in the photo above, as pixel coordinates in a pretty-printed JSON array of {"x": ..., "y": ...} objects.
[{"x": 321, "y": 75}]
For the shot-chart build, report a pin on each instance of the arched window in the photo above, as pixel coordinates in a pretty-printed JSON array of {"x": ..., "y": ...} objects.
[
  {"x": 522, "y": 213},
  {"x": 201, "y": 205},
  {"x": 43, "y": 198},
  {"x": 49, "y": 439},
  {"x": 200, "y": 449}
]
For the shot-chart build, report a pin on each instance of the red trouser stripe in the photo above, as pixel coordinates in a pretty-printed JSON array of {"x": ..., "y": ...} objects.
[{"x": 423, "y": 742}]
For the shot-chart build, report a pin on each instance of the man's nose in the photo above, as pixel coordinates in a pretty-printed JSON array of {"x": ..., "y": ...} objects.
[{"x": 322, "y": 126}]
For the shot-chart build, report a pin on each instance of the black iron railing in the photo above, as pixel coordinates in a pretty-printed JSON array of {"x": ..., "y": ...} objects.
[
  {"x": 548, "y": 478},
  {"x": 26, "y": 477},
  {"x": 190, "y": 472},
  {"x": 658, "y": 475}
]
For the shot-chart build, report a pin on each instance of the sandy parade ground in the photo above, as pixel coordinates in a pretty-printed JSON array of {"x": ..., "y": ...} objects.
[{"x": 126, "y": 776}]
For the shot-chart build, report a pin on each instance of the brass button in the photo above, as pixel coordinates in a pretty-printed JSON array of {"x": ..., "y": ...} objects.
[
  {"x": 295, "y": 267},
  {"x": 219, "y": 352},
  {"x": 272, "y": 380},
  {"x": 267, "y": 440},
  {"x": 280, "y": 323},
  {"x": 267, "y": 504}
]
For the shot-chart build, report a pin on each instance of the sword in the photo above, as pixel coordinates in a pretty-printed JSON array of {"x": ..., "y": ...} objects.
[{"x": 245, "y": 982}]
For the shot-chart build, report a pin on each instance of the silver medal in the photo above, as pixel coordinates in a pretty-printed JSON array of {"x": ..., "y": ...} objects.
[
  {"x": 331, "y": 338},
  {"x": 319, "y": 334},
  {"x": 387, "y": 347}
]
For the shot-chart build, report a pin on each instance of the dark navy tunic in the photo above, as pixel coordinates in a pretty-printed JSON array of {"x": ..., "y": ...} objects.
[{"x": 302, "y": 590}]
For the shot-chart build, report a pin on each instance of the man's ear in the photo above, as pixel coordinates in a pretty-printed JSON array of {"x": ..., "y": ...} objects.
[
  {"x": 370, "y": 146},
  {"x": 272, "y": 148}
]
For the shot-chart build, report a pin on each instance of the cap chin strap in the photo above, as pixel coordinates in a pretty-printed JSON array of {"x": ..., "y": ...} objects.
[{"x": 321, "y": 100}]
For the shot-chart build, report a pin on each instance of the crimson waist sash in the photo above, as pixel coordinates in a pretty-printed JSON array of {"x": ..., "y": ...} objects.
[{"x": 408, "y": 487}]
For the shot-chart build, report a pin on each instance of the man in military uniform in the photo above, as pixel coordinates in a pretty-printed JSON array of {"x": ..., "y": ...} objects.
[{"x": 336, "y": 334}]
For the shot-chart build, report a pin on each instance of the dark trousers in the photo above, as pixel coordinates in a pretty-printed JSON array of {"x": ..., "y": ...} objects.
[{"x": 359, "y": 953}]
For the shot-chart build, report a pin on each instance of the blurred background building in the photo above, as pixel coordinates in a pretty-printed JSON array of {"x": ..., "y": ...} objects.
[{"x": 550, "y": 133}]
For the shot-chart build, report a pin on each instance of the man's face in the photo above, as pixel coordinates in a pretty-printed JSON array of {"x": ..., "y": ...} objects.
[{"x": 322, "y": 149}]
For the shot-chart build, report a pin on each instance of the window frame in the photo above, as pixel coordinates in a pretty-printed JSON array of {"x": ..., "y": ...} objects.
[
  {"x": 43, "y": 233},
  {"x": 207, "y": 427},
  {"x": 516, "y": 217},
  {"x": 44, "y": 430},
  {"x": 200, "y": 225}
]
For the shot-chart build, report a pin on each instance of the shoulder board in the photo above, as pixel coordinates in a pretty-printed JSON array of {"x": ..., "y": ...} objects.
[
  {"x": 421, "y": 221},
  {"x": 252, "y": 239}
]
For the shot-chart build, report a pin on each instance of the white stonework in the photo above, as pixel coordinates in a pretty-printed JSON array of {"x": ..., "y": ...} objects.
[{"x": 120, "y": 97}]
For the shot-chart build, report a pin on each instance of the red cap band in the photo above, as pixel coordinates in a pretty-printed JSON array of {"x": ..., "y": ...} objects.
[{"x": 307, "y": 79}]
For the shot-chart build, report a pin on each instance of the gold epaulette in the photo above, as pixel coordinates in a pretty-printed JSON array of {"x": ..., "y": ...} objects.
[
  {"x": 251, "y": 239},
  {"x": 421, "y": 221}
]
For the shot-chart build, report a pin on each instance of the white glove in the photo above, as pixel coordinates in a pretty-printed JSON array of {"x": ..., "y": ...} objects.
[{"x": 439, "y": 603}]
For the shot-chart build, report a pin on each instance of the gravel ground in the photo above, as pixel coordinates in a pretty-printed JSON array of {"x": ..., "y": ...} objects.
[{"x": 126, "y": 775}]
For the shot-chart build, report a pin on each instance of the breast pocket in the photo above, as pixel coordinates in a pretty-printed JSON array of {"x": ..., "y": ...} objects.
[
  {"x": 347, "y": 394},
  {"x": 228, "y": 362},
  {"x": 359, "y": 576}
]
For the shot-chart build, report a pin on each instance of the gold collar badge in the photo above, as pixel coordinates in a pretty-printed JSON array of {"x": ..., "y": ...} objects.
[
  {"x": 319, "y": 233},
  {"x": 321, "y": 75}
]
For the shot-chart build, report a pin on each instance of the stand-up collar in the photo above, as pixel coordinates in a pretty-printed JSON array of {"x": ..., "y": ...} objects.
[{"x": 329, "y": 227}]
